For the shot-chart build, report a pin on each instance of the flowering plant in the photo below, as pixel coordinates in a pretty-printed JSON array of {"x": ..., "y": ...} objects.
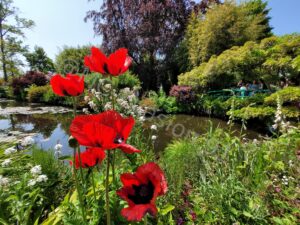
[{"x": 105, "y": 132}]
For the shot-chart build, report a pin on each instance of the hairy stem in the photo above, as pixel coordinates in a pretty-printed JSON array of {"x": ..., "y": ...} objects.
[
  {"x": 78, "y": 190},
  {"x": 94, "y": 188},
  {"x": 107, "y": 191}
]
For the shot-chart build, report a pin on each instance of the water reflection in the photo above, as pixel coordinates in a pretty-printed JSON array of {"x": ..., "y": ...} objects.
[
  {"x": 180, "y": 126},
  {"x": 52, "y": 129}
]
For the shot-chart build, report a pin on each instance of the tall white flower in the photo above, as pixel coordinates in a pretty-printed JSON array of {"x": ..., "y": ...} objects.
[
  {"x": 85, "y": 110},
  {"x": 6, "y": 163},
  {"x": 57, "y": 149},
  {"x": 154, "y": 137},
  {"x": 36, "y": 170},
  {"x": 279, "y": 121}
]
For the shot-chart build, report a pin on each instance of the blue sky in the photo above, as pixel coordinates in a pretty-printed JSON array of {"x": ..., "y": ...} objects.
[{"x": 60, "y": 22}]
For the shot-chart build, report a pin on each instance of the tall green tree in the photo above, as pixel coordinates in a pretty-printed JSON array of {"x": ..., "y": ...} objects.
[
  {"x": 39, "y": 61},
  {"x": 11, "y": 33},
  {"x": 224, "y": 26},
  {"x": 70, "y": 59},
  {"x": 273, "y": 59}
]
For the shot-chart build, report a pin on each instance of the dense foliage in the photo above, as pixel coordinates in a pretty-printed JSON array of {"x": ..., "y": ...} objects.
[
  {"x": 272, "y": 59},
  {"x": 70, "y": 59},
  {"x": 219, "y": 178},
  {"x": 39, "y": 61},
  {"x": 224, "y": 179},
  {"x": 224, "y": 26},
  {"x": 26, "y": 202},
  {"x": 20, "y": 84},
  {"x": 12, "y": 28}
]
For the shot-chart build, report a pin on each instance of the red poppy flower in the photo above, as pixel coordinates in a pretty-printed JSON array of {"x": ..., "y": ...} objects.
[
  {"x": 71, "y": 85},
  {"x": 107, "y": 130},
  {"x": 141, "y": 189},
  {"x": 91, "y": 157},
  {"x": 116, "y": 64}
]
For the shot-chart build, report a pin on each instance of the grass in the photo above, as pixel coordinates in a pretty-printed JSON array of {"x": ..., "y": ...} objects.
[{"x": 225, "y": 180}]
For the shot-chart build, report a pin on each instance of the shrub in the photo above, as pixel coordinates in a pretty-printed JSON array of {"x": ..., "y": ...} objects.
[
  {"x": 257, "y": 99},
  {"x": 19, "y": 84},
  {"x": 247, "y": 113},
  {"x": 126, "y": 80},
  {"x": 148, "y": 103},
  {"x": 183, "y": 94},
  {"x": 50, "y": 97},
  {"x": 291, "y": 112},
  {"x": 36, "y": 93},
  {"x": 287, "y": 95},
  {"x": 167, "y": 104}
]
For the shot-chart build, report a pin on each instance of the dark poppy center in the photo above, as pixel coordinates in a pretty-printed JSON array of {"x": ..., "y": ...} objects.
[
  {"x": 142, "y": 193},
  {"x": 65, "y": 93},
  {"x": 105, "y": 68},
  {"x": 119, "y": 139}
]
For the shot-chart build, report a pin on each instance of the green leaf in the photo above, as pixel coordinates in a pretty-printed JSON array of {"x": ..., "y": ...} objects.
[
  {"x": 66, "y": 157},
  {"x": 247, "y": 214},
  {"x": 167, "y": 209}
]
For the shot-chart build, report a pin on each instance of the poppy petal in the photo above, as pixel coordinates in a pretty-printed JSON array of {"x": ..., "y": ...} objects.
[
  {"x": 56, "y": 84},
  {"x": 127, "y": 125},
  {"x": 116, "y": 61},
  {"x": 137, "y": 212},
  {"x": 153, "y": 172},
  {"x": 129, "y": 149},
  {"x": 89, "y": 158},
  {"x": 129, "y": 179},
  {"x": 126, "y": 65},
  {"x": 96, "y": 61}
]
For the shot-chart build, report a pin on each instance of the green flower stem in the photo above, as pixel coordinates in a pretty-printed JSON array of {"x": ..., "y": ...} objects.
[
  {"x": 93, "y": 183},
  {"x": 78, "y": 190},
  {"x": 81, "y": 173},
  {"x": 78, "y": 148},
  {"x": 112, "y": 94},
  {"x": 107, "y": 191},
  {"x": 146, "y": 220},
  {"x": 113, "y": 106},
  {"x": 113, "y": 165},
  {"x": 80, "y": 168},
  {"x": 74, "y": 106}
]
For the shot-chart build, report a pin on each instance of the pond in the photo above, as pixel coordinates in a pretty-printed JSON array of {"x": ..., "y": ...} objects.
[{"x": 51, "y": 128}]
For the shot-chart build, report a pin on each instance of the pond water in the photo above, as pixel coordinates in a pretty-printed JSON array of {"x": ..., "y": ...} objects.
[{"x": 52, "y": 128}]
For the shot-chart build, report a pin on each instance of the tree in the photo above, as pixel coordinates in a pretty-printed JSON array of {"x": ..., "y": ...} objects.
[
  {"x": 224, "y": 26},
  {"x": 255, "y": 8},
  {"x": 272, "y": 59},
  {"x": 39, "y": 61},
  {"x": 10, "y": 34},
  {"x": 70, "y": 59},
  {"x": 149, "y": 29}
]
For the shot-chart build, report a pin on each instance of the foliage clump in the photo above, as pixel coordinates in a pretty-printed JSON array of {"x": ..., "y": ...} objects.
[
  {"x": 30, "y": 78},
  {"x": 272, "y": 59},
  {"x": 287, "y": 95},
  {"x": 219, "y": 178}
]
